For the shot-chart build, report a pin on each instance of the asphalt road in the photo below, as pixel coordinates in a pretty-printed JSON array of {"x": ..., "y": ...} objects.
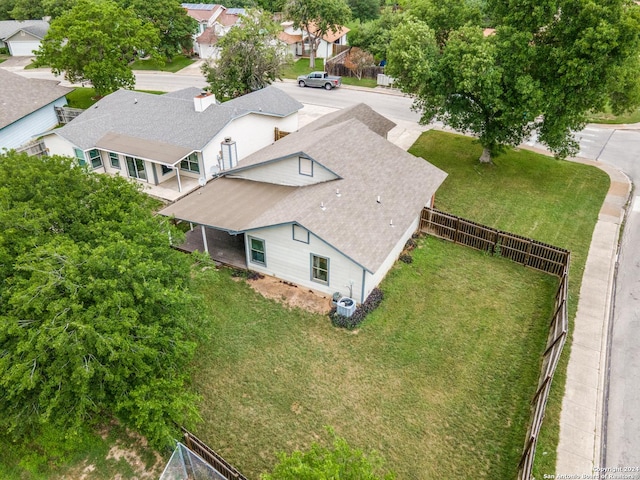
[{"x": 621, "y": 148}]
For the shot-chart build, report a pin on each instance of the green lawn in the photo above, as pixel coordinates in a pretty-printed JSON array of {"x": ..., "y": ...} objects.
[
  {"x": 3, "y": 57},
  {"x": 610, "y": 118},
  {"x": 438, "y": 379},
  {"x": 84, "y": 97},
  {"x": 301, "y": 67},
  {"x": 553, "y": 201},
  {"x": 178, "y": 63}
]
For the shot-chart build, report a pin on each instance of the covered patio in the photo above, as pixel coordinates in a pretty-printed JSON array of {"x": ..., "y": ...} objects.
[{"x": 222, "y": 247}]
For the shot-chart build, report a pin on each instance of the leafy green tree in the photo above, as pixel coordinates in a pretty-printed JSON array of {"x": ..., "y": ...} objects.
[
  {"x": 444, "y": 16},
  {"x": 317, "y": 18},
  {"x": 375, "y": 36},
  {"x": 528, "y": 76},
  {"x": 340, "y": 461},
  {"x": 6, "y": 6},
  {"x": 365, "y": 10},
  {"x": 28, "y": 10},
  {"x": 175, "y": 27},
  {"x": 251, "y": 57},
  {"x": 55, "y": 8},
  {"x": 93, "y": 303},
  {"x": 95, "y": 41}
]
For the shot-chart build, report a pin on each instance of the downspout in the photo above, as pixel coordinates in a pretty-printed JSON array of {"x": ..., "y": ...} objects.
[{"x": 364, "y": 274}]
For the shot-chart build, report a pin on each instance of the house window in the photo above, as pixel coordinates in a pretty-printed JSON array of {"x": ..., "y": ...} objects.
[
  {"x": 79, "y": 156},
  {"x": 300, "y": 234},
  {"x": 305, "y": 167},
  {"x": 319, "y": 269},
  {"x": 166, "y": 169},
  {"x": 135, "y": 168},
  {"x": 257, "y": 251},
  {"x": 114, "y": 159},
  {"x": 95, "y": 158},
  {"x": 190, "y": 163}
]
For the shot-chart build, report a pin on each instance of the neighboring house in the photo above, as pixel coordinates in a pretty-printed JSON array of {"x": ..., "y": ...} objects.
[
  {"x": 176, "y": 140},
  {"x": 298, "y": 40},
  {"x": 329, "y": 207},
  {"x": 27, "y": 107},
  {"x": 22, "y": 38},
  {"x": 214, "y": 21}
]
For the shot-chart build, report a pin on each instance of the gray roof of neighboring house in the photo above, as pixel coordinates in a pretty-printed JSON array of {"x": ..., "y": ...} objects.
[
  {"x": 360, "y": 111},
  {"x": 169, "y": 118},
  {"x": 20, "y": 96},
  {"x": 37, "y": 28},
  {"x": 354, "y": 223}
]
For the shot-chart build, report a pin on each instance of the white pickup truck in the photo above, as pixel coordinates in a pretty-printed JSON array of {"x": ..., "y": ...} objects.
[{"x": 319, "y": 79}]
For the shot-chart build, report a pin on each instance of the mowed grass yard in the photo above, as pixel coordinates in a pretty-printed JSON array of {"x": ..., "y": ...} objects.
[{"x": 440, "y": 377}]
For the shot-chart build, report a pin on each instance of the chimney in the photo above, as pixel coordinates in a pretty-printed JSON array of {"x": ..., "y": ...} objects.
[
  {"x": 229, "y": 153},
  {"x": 202, "y": 101}
]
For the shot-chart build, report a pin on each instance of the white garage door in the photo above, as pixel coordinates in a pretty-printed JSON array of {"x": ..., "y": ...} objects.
[{"x": 23, "y": 49}]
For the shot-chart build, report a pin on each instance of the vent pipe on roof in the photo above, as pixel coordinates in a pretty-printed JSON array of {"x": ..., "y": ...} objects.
[{"x": 203, "y": 101}]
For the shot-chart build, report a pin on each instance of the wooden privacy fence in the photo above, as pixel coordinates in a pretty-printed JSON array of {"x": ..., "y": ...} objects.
[
  {"x": 66, "y": 114},
  {"x": 530, "y": 253},
  {"x": 522, "y": 250},
  {"x": 33, "y": 149},
  {"x": 196, "y": 445},
  {"x": 278, "y": 134}
]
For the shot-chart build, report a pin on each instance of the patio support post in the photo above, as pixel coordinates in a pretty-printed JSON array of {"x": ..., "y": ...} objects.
[
  {"x": 178, "y": 177},
  {"x": 204, "y": 239}
]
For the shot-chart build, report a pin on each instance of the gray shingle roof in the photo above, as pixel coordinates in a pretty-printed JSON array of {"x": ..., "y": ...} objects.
[
  {"x": 354, "y": 222},
  {"x": 367, "y": 115},
  {"x": 37, "y": 28},
  {"x": 20, "y": 96},
  {"x": 169, "y": 118}
]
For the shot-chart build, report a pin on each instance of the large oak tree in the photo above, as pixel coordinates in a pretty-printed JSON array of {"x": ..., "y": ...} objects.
[
  {"x": 95, "y": 42},
  {"x": 545, "y": 67},
  {"x": 94, "y": 304}
]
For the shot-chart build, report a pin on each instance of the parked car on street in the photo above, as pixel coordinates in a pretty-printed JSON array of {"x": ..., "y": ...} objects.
[{"x": 319, "y": 79}]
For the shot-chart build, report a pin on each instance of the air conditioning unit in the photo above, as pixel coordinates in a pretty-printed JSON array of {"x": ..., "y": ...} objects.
[{"x": 346, "y": 306}]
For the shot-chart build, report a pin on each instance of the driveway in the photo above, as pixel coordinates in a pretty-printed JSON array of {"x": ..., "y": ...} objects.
[{"x": 16, "y": 63}]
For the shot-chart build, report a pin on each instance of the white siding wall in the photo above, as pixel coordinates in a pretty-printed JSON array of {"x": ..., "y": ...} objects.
[
  {"x": 58, "y": 145},
  {"x": 251, "y": 133},
  {"x": 287, "y": 172},
  {"x": 374, "y": 280},
  {"x": 290, "y": 260},
  {"x": 20, "y": 132}
]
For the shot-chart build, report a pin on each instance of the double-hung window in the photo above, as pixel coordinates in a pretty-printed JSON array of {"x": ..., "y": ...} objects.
[
  {"x": 320, "y": 269},
  {"x": 115, "y": 160},
  {"x": 79, "y": 156},
  {"x": 256, "y": 246},
  {"x": 95, "y": 158}
]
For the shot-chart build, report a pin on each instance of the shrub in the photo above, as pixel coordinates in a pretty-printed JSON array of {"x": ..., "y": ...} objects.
[
  {"x": 406, "y": 258},
  {"x": 410, "y": 245}
]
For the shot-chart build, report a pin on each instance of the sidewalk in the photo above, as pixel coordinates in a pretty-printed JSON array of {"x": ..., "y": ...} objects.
[{"x": 582, "y": 405}]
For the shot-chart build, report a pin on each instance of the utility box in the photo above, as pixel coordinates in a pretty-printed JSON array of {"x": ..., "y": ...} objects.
[{"x": 346, "y": 306}]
